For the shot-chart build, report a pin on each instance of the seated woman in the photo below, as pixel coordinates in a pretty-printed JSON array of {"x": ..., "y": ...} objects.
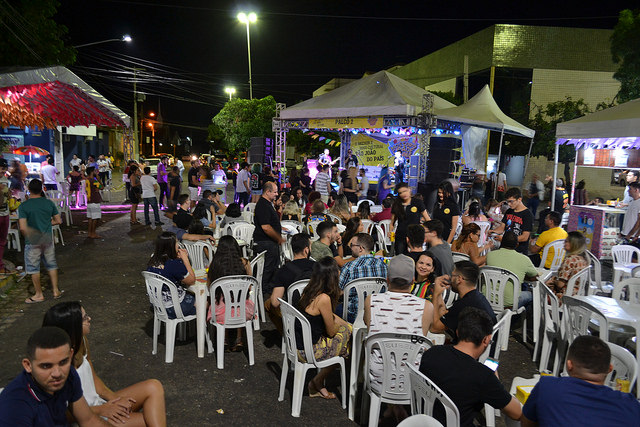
[
  {"x": 467, "y": 243},
  {"x": 341, "y": 208},
  {"x": 354, "y": 226},
  {"x": 474, "y": 213},
  {"x": 228, "y": 261},
  {"x": 299, "y": 197},
  {"x": 200, "y": 214},
  {"x": 330, "y": 335},
  {"x": 364, "y": 211},
  {"x": 122, "y": 407},
  {"x": 575, "y": 259},
  {"x": 232, "y": 215},
  {"x": 317, "y": 212},
  {"x": 493, "y": 208},
  {"x": 172, "y": 262},
  {"x": 427, "y": 269},
  {"x": 291, "y": 211}
]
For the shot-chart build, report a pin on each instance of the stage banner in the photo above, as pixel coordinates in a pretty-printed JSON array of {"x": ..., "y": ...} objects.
[
  {"x": 347, "y": 123},
  {"x": 474, "y": 146}
]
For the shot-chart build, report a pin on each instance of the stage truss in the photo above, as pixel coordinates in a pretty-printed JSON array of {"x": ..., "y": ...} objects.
[{"x": 281, "y": 138}]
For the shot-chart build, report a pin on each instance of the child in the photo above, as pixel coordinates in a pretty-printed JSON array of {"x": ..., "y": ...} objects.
[{"x": 94, "y": 213}]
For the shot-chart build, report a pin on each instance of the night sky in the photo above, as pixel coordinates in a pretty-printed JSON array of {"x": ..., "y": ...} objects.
[{"x": 192, "y": 49}]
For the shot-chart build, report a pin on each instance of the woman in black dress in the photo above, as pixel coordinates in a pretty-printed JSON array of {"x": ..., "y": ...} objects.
[
  {"x": 446, "y": 210},
  {"x": 406, "y": 210}
]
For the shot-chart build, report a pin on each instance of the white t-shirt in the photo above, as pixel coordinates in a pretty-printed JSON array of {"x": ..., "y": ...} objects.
[
  {"x": 364, "y": 181},
  {"x": 49, "y": 174},
  {"x": 103, "y": 165},
  {"x": 75, "y": 162},
  {"x": 631, "y": 216},
  {"x": 219, "y": 177},
  {"x": 501, "y": 178},
  {"x": 148, "y": 182},
  {"x": 241, "y": 181}
]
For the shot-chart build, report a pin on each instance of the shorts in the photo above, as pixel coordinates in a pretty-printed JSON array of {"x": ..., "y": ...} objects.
[
  {"x": 94, "y": 211},
  {"x": 187, "y": 305},
  {"x": 51, "y": 187},
  {"x": 33, "y": 254},
  {"x": 135, "y": 195},
  {"x": 256, "y": 192},
  {"x": 193, "y": 194}
]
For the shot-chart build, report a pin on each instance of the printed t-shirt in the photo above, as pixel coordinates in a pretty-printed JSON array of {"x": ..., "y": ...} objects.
[
  {"x": 321, "y": 183},
  {"x": 255, "y": 181},
  {"x": 519, "y": 222},
  {"x": 445, "y": 213},
  {"x": 412, "y": 214}
]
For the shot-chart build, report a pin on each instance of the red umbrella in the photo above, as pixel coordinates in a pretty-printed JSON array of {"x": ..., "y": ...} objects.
[{"x": 30, "y": 149}]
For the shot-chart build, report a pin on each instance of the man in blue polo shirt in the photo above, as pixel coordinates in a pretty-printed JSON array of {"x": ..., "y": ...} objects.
[{"x": 48, "y": 387}]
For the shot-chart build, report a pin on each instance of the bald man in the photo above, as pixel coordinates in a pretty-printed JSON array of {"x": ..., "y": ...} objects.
[{"x": 267, "y": 234}]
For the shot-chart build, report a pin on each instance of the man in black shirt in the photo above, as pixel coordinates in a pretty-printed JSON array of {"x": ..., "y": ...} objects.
[
  {"x": 517, "y": 219},
  {"x": 415, "y": 241},
  {"x": 463, "y": 282},
  {"x": 193, "y": 183},
  {"x": 457, "y": 372},
  {"x": 267, "y": 234},
  {"x": 297, "y": 269}
]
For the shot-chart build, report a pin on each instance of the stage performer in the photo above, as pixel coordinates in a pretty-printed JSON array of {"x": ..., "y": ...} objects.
[
  {"x": 325, "y": 159},
  {"x": 398, "y": 164}
]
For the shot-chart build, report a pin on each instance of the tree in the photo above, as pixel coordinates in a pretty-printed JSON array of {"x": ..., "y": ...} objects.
[
  {"x": 242, "y": 119},
  {"x": 625, "y": 50},
  {"x": 305, "y": 144},
  {"x": 448, "y": 96},
  {"x": 30, "y": 36},
  {"x": 544, "y": 123}
]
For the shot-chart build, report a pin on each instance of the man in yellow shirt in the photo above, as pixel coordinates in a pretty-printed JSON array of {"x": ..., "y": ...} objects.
[{"x": 554, "y": 232}]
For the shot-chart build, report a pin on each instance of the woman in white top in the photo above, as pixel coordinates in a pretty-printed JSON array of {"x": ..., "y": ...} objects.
[{"x": 119, "y": 408}]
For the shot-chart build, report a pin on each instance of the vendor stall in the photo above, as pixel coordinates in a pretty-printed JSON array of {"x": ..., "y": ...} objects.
[{"x": 600, "y": 226}]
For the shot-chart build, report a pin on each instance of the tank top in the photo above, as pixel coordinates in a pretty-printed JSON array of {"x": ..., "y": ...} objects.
[{"x": 88, "y": 386}]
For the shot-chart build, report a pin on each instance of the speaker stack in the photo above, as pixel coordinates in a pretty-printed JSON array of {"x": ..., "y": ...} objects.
[{"x": 261, "y": 151}]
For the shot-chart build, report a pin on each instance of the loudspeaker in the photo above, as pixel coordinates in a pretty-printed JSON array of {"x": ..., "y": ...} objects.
[
  {"x": 443, "y": 153},
  {"x": 261, "y": 151}
]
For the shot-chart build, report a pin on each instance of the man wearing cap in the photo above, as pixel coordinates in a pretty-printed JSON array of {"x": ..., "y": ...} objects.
[
  {"x": 4, "y": 212},
  {"x": 363, "y": 265},
  {"x": 162, "y": 179}
]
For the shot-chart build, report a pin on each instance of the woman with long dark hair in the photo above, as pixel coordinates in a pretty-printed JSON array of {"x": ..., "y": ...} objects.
[
  {"x": 473, "y": 214},
  {"x": 467, "y": 243},
  {"x": 354, "y": 226},
  {"x": 135, "y": 193},
  {"x": 330, "y": 334},
  {"x": 427, "y": 269},
  {"x": 228, "y": 261},
  {"x": 446, "y": 210},
  {"x": 172, "y": 262},
  {"x": 118, "y": 407},
  {"x": 405, "y": 210},
  {"x": 384, "y": 184}
]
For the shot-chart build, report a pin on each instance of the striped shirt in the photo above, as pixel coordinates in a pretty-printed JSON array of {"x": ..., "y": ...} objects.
[
  {"x": 363, "y": 266},
  {"x": 322, "y": 179}
]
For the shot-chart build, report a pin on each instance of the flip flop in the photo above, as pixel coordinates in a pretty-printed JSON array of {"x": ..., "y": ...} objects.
[
  {"x": 59, "y": 295},
  {"x": 30, "y": 300},
  {"x": 317, "y": 393}
]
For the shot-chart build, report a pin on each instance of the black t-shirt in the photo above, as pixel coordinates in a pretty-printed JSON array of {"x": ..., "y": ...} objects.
[
  {"x": 193, "y": 172},
  {"x": 182, "y": 219},
  {"x": 471, "y": 299},
  {"x": 445, "y": 213},
  {"x": 412, "y": 214},
  {"x": 306, "y": 180},
  {"x": 467, "y": 382},
  {"x": 265, "y": 214},
  {"x": 519, "y": 222},
  {"x": 175, "y": 182},
  {"x": 562, "y": 201},
  {"x": 255, "y": 181},
  {"x": 289, "y": 273}
]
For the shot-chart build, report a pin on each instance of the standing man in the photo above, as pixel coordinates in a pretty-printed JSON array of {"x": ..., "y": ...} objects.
[
  {"x": 398, "y": 164},
  {"x": 501, "y": 185},
  {"x": 94, "y": 212},
  {"x": 175, "y": 183},
  {"x": 103, "y": 169},
  {"x": 364, "y": 184},
  {"x": 48, "y": 175},
  {"x": 149, "y": 187},
  {"x": 267, "y": 234},
  {"x": 48, "y": 386},
  {"x": 36, "y": 216},
  {"x": 5, "y": 194},
  {"x": 180, "y": 166},
  {"x": 192, "y": 177},
  {"x": 75, "y": 161},
  {"x": 351, "y": 160},
  {"x": 517, "y": 219},
  {"x": 631, "y": 224},
  {"x": 243, "y": 185},
  {"x": 632, "y": 176},
  {"x": 535, "y": 194},
  {"x": 323, "y": 184},
  {"x": 162, "y": 180}
]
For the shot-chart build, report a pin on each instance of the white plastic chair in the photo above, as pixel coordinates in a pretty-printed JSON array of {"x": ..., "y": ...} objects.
[
  {"x": 367, "y": 225},
  {"x": 235, "y": 290},
  {"x": 289, "y": 317},
  {"x": 13, "y": 239},
  {"x": 624, "y": 366},
  {"x": 56, "y": 233},
  {"x": 297, "y": 225},
  {"x": 242, "y": 231},
  {"x": 578, "y": 316},
  {"x": 247, "y": 216},
  {"x": 600, "y": 287},
  {"x": 502, "y": 329},
  {"x": 623, "y": 261},
  {"x": 386, "y": 226},
  {"x": 249, "y": 207},
  {"x": 425, "y": 393},
  {"x": 459, "y": 256},
  {"x": 565, "y": 220},
  {"x": 493, "y": 283},
  {"x": 61, "y": 201},
  {"x": 552, "y": 328},
  {"x": 384, "y": 240},
  {"x": 583, "y": 279},
  {"x": 629, "y": 288},
  {"x": 484, "y": 228},
  {"x": 296, "y": 287},
  {"x": 362, "y": 288},
  {"x": 197, "y": 256},
  {"x": 257, "y": 267},
  {"x": 396, "y": 350},
  {"x": 420, "y": 420},
  {"x": 312, "y": 226},
  {"x": 558, "y": 254},
  {"x": 334, "y": 218},
  {"x": 155, "y": 283}
]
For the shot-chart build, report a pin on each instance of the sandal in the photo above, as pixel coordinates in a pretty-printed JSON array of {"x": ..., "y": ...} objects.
[
  {"x": 314, "y": 392},
  {"x": 30, "y": 300}
]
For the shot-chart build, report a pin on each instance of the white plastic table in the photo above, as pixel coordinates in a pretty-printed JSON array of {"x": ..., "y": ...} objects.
[{"x": 201, "y": 292}]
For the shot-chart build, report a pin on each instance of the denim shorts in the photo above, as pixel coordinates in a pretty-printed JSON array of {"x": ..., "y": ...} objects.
[
  {"x": 33, "y": 254},
  {"x": 187, "y": 305},
  {"x": 256, "y": 192}
]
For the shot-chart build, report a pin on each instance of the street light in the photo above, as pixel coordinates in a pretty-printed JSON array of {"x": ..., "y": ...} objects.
[
  {"x": 126, "y": 38},
  {"x": 247, "y": 19},
  {"x": 153, "y": 138},
  {"x": 231, "y": 91}
]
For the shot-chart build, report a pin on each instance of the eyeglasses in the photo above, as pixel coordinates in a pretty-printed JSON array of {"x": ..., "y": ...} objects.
[
  {"x": 510, "y": 201},
  {"x": 353, "y": 245}
]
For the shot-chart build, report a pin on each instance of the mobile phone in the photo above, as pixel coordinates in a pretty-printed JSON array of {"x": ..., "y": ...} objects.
[{"x": 491, "y": 364}]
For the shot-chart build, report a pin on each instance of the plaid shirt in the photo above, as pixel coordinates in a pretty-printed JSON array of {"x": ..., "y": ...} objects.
[{"x": 363, "y": 266}]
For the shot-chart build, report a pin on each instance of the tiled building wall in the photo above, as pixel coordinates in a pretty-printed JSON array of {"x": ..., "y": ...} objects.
[{"x": 445, "y": 86}]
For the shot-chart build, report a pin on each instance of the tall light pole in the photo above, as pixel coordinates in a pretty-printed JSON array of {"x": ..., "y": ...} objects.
[
  {"x": 153, "y": 138},
  {"x": 247, "y": 19},
  {"x": 126, "y": 38},
  {"x": 231, "y": 91}
]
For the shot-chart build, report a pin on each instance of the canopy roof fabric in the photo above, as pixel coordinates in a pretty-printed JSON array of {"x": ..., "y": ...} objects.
[
  {"x": 614, "y": 127},
  {"x": 54, "y": 96},
  {"x": 380, "y": 94},
  {"x": 482, "y": 111}
]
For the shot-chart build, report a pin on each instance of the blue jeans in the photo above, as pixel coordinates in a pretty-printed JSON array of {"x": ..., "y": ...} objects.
[
  {"x": 533, "y": 204},
  {"x": 243, "y": 198},
  {"x": 154, "y": 204}
]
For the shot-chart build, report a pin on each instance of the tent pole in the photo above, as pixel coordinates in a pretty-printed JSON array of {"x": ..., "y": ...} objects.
[
  {"x": 526, "y": 165},
  {"x": 495, "y": 187},
  {"x": 575, "y": 175},
  {"x": 555, "y": 177}
]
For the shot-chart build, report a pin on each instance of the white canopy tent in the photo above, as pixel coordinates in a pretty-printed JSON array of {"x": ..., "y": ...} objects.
[{"x": 615, "y": 127}]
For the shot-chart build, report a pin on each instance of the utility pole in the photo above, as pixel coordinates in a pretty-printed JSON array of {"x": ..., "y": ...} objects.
[
  {"x": 465, "y": 90},
  {"x": 136, "y": 139}
]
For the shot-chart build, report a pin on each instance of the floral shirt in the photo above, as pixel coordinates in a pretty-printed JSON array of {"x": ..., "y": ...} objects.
[{"x": 571, "y": 265}]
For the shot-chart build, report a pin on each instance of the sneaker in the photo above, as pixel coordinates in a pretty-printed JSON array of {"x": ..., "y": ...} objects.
[
  {"x": 147, "y": 223},
  {"x": 159, "y": 223}
]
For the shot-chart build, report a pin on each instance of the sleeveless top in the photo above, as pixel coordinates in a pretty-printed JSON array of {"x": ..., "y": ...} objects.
[{"x": 88, "y": 386}]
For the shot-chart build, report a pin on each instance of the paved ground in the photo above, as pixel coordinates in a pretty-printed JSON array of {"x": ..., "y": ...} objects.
[{"x": 105, "y": 276}]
